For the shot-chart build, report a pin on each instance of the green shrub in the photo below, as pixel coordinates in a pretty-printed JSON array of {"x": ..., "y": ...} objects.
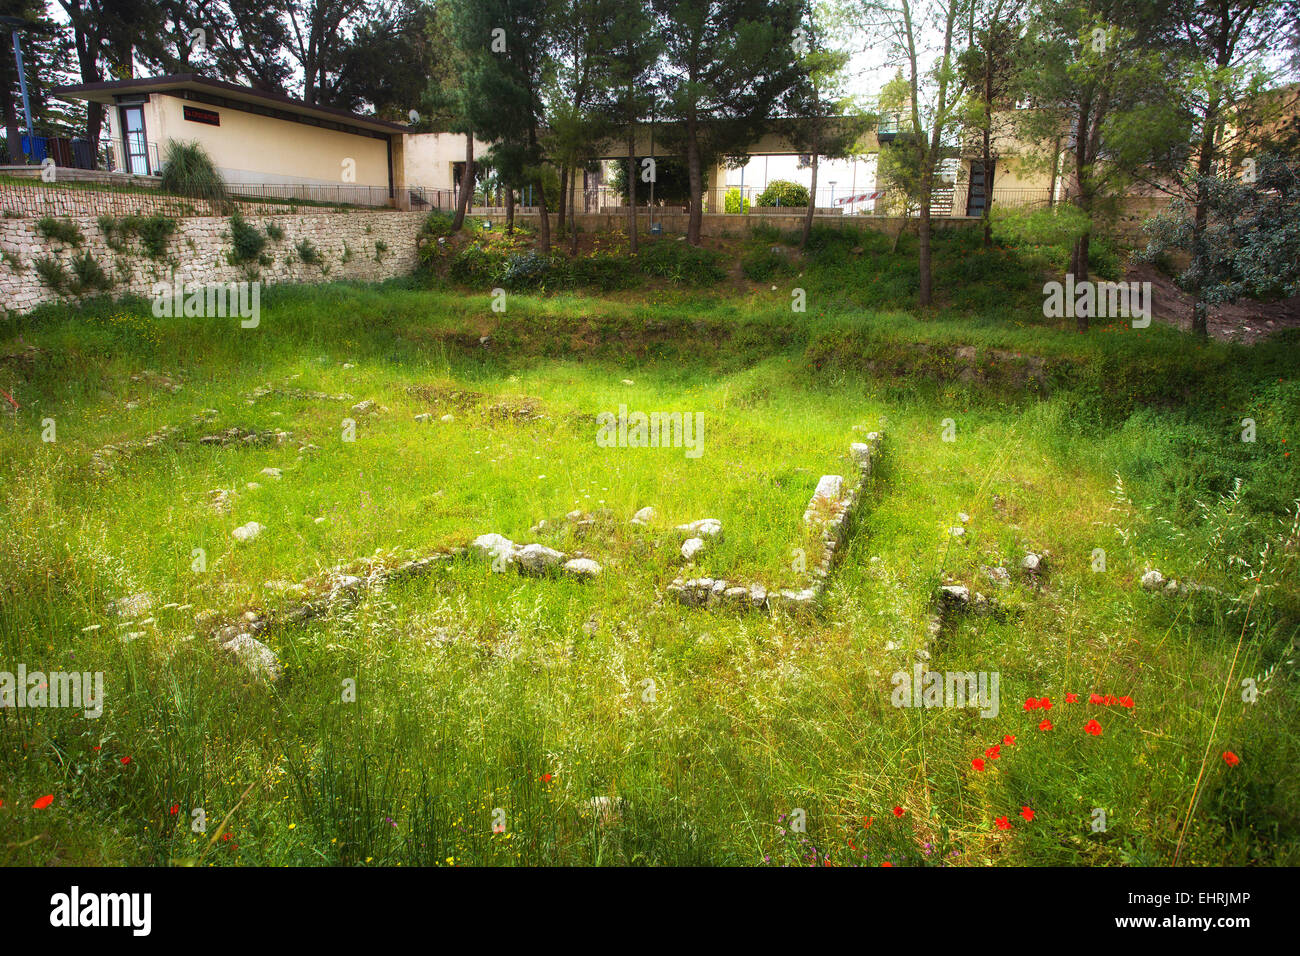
[
  {"x": 604, "y": 272},
  {"x": 308, "y": 253},
  {"x": 473, "y": 266},
  {"x": 274, "y": 232},
  {"x": 531, "y": 270},
  {"x": 437, "y": 223},
  {"x": 111, "y": 228},
  {"x": 154, "y": 231},
  {"x": 60, "y": 230},
  {"x": 733, "y": 204},
  {"x": 88, "y": 275},
  {"x": 782, "y": 192},
  {"x": 247, "y": 240},
  {"x": 52, "y": 272},
  {"x": 188, "y": 171},
  {"x": 381, "y": 247},
  {"x": 682, "y": 263}
]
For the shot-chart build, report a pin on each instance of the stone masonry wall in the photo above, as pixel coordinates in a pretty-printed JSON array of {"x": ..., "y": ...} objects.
[{"x": 197, "y": 253}]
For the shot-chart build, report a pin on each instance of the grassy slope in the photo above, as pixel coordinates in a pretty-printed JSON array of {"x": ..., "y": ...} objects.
[{"x": 473, "y": 687}]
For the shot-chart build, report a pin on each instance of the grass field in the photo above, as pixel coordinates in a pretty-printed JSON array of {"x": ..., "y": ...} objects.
[{"x": 503, "y": 719}]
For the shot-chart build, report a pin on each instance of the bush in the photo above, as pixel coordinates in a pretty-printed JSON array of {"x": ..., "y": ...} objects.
[
  {"x": 733, "y": 205},
  {"x": 88, "y": 275},
  {"x": 530, "y": 270},
  {"x": 682, "y": 263},
  {"x": 60, "y": 230},
  {"x": 52, "y": 272},
  {"x": 437, "y": 223},
  {"x": 248, "y": 241},
  {"x": 604, "y": 272},
  {"x": 188, "y": 171},
  {"x": 473, "y": 266},
  {"x": 308, "y": 253},
  {"x": 274, "y": 232},
  {"x": 782, "y": 192},
  {"x": 154, "y": 231}
]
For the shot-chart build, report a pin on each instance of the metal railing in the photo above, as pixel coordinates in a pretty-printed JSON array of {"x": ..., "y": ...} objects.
[{"x": 949, "y": 200}]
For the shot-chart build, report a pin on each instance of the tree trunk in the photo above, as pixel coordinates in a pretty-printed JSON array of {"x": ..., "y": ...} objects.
[
  {"x": 812, "y": 198},
  {"x": 510, "y": 210},
  {"x": 1200, "y": 216},
  {"x": 696, "y": 217},
  {"x": 12, "y": 136},
  {"x": 543, "y": 217},
  {"x": 466, "y": 184},
  {"x": 923, "y": 234},
  {"x": 573, "y": 214},
  {"x": 564, "y": 205},
  {"x": 1081, "y": 319},
  {"x": 631, "y": 192}
]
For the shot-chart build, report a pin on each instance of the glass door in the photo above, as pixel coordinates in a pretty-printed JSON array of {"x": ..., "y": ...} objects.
[{"x": 135, "y": 145}]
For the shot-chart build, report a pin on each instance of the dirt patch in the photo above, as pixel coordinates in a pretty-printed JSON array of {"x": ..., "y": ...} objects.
[{"x": 1246, "y": 321}]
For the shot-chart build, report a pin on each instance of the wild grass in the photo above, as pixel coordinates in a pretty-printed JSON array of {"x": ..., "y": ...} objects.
[{"x": 483, "y": 698}]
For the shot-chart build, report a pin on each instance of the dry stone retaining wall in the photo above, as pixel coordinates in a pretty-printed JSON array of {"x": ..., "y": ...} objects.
[{"x": 197, "y": 252}]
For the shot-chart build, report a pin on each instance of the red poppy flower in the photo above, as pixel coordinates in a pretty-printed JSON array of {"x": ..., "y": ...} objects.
[
  {"x": 546, "y": 778},
  {"x": 1003, "y": 823},
  {"x": 886, "y": 863},
  {"x": 1027, "y": 813},
  {"x": 1126, "y": 701},
  {"x": 1071, "y": 698},
  {"x": 978, "y": 763},
  {"x": 1109, "y": 701},
  {"x": 1045, "y": 725},
  {"x": 126, "y": 760},
  {"x": 43, "y": 802},
  {"x": 1230, "y": 758},
  {"x": 1045, "y": 703},
  {"x": 1092, "y": 727},
  {"x": 96, "y": 748},
  {"x": 2, "y": 803},
  {"x": 993, "y": 752},
  {"x": 898, "y": 811},
  {"x": 867, "y": 821},
  {"x": 1094, "y": 699},
  {"x": 176, "y": 808},
  {"x": 1009, "y": 739},
  {"x": 1031, "y": 704}
]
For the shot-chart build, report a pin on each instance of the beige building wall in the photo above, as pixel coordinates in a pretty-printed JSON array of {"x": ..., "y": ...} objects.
[
  {"x": 431, "y": 158},
  {"x": 251, "y": 148}
]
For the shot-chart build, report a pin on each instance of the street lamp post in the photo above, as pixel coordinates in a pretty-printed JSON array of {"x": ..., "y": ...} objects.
[{"x": 15, "y": 24}]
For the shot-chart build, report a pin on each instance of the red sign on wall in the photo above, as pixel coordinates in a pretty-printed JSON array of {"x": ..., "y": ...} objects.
[{"x": 196, "y": 115}]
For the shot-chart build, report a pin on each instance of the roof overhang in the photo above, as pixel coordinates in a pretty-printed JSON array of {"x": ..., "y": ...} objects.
[{"x": 204, "y": 89}]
